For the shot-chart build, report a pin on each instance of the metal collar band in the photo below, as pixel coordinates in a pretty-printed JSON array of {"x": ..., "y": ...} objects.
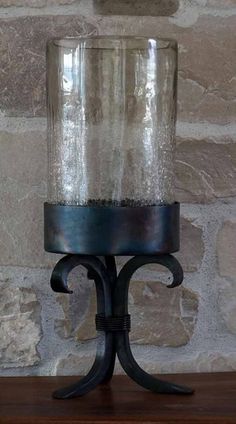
[{"x": 111, "y": 230}]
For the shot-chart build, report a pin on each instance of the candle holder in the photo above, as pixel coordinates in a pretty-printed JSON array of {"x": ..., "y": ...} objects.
[{"x": 111, "y": 122}]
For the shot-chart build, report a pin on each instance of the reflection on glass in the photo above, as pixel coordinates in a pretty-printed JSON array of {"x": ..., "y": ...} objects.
[{"x": 111, "y": 120}]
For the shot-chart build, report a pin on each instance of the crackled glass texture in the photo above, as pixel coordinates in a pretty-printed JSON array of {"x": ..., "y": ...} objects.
[{"x": 111, "y": 120}]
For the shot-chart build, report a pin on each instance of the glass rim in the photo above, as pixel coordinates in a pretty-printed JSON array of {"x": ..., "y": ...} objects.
[{"x": 113, "y": 41}]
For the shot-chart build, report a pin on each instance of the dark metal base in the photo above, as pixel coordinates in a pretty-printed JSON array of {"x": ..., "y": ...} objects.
[
  {"x": 111, "y": 230},
  {"x": 113, "y": 319}
]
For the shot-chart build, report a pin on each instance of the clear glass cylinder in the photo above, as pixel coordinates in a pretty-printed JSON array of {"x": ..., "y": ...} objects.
[{"x": 111, "y": 120}]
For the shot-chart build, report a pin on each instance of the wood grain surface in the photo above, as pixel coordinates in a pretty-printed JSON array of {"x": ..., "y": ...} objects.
[{"x": 28, "y": 400}]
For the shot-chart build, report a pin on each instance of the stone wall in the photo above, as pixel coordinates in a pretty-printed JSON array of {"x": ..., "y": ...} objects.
[{"x": 192, "y": 328}]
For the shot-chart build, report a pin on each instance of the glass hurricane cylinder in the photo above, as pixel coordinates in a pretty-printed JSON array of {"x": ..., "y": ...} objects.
[{"x": 111, "y": 121}]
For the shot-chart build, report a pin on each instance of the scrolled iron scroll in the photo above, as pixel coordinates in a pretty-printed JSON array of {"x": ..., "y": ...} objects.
[
  {"x": 101, "y": 368},
  {"x": 124, "y": 352},
  {"x": 112, "y": 303}
]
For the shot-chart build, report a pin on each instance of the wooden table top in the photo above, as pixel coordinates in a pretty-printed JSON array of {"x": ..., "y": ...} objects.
[{"x": 28, "y": 400}]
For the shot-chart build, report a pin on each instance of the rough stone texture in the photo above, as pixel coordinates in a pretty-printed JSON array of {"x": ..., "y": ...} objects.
[
  {"x": 206, "y": 91},
  {"x": 124, "y": 7},
  {"x": 206, "y": 361},
  {"x": 227, "y": 304},
  {"x": 107, "y": 7},
  {"x": 36, "y": 3},
  {"x": 203, "y": 361},
  {"x": 20, "y": 326},
  {"x": 136, "y": 7},
  {"x": 226, "y": 248},
  {"x": 23, "y": 161},
  {"x": 22, "y": 52},
  {"x": 207, "y": 88},
  {"x": 159, "y": 317},
  {"x": 191, "y": 246},
  {"x": 75, "y": 307},
  {"x": 221, "y": 4},
  {"x": 75, "y": 364},
  {"x": 86, "y": 329},
  {"x": 199, "y": 179}
]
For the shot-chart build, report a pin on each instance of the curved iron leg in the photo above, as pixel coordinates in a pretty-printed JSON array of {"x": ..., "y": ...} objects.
[
  {"x": 103, "y": 360},
  {"x": 122, "y": 337},
  {"x": 112, "y": 272}
]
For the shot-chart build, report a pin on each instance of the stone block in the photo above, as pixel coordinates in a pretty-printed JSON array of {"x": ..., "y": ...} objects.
[
  {"x": 226, "y": 249},
  {"x": 20, "y": 326},
  {"x": 23, "y": 174},
  {"x": 159, "y": 317},
  {"x": 207, "y": 84},
  {"x": 136, "y": 7},
  {"x": 200, "y": 180},
  {"x": 23, "y": 59}
]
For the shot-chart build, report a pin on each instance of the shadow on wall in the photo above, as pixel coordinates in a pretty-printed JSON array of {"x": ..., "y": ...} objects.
[{"x": 136, "y": 7}]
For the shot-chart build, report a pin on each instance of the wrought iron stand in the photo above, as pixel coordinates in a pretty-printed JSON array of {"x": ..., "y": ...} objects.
[{"x": 66, "y": 228}]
